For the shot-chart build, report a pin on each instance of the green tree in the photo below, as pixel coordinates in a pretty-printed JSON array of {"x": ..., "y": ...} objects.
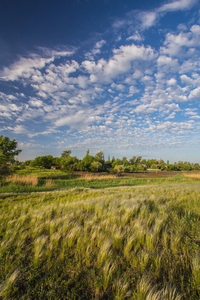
[
  {"x": 43, "y": 161},
  {"x": 119, "y": 169},
  {"x": 99, "y": 157},
  {"x": 8, "y": 150},
  {"x": 85, "y": 163},
  {"x": 96, "y": 166},
  {"x": 132, "y": 161},
  {"x": 66, "y": 153},
  {"x": 125, "y": 161},
  {"x": 117, "y": 162},
  {"x": 69, "y": 163}
]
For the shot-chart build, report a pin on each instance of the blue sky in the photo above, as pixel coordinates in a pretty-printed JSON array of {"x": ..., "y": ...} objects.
[{"x": 122, "y": 77}]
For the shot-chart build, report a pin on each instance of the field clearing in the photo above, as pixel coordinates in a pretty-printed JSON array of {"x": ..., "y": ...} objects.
[
  {"x": 38, "y": 180},
  {"x": 113, "y": 243}
]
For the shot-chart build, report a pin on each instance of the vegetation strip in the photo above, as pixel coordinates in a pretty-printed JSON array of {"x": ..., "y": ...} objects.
[{"x": 115, "y": 243}]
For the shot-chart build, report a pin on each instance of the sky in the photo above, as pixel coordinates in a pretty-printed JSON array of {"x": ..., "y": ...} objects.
[{"x": 122, "y": 77}]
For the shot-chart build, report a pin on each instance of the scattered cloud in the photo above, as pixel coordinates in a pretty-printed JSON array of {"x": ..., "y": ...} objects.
[{"x": 129, "y": 93}]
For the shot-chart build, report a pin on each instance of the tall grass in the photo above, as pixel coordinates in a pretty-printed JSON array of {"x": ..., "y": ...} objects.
[
  {"x": 23, "y": 179},
  {"x": 192, "y": 175},
  {"x": 97, "y": 177},
  {"x": 116, "y": 243}
]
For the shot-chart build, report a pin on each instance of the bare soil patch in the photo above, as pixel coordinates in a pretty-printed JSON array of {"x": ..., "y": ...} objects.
[{"x": 158, "y": 174}]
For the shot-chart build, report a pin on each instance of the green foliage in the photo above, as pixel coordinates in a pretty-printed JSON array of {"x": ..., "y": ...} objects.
[
  {"x": 117, "y": 162},
  {"x": 43, "y": 161},
  {"x": 85, "y": 163},
  {"x": 66, "y": 153},
  {"x": 119, "y": 169},
  {"x": 69, "y": 163},
  {"x": 132, "y": 161},
  {"x": 99, "y": 157},
  {"x": 96, "y": 166},
  {"x": 8, "y": 150},
  {"x": 56, "y": 161}
]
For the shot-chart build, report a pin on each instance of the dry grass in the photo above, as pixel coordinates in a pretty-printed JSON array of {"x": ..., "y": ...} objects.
[
  {"x": 192, "y": 175},
  {"x": 117, "y": 243},
  {"x": 49, "y": 183},
  {"x": 25, "y": 179},
  {"x": 98, "y": 177}
]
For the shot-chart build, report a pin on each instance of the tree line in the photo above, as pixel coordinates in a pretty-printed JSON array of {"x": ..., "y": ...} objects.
[
  {"x": 97, "y": 163},
  {"x": 89, "y": 163}
]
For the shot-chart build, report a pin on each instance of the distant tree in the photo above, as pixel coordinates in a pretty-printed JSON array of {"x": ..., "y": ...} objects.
[
  {"x": 27, "y": 162},
  {"x": 66, "y": 153},
  {"x": 113, "y": 159},
  {"x": 119, "y": 169},
  {"x": 196, "y": 166},
  {"x": 152, "y": 162},
  {"x": 108, "y": 165},
  {"x": 138, "y": 159},
  {"x": 85, "y": 163},
  {"x": 57, "y": 161},
  {"x": 8, "y": 150},
  {"x": 117, "y": 162},
  {"x": 132, "y": 161},
  {"x": 162, "y": 166},
  {"x": 96, "y": 166},
  {"x": 125, "y": 161},
  {"x": 69, "y": 163},
  {"x": 99, "y": 157},
  {"x": 143, "y": 162},
  {"x": 171, "y": 167},
  {"x": 43, "y": 161}
]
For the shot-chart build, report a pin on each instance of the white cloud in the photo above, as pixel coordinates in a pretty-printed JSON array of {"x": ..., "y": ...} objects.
[
  {"x": 135, "y": 37},
  {"x": 120, "y": 63},
  {"x": 27, "y": 67},
  {"x": 148, "y": 19},
  {"x": 145, "y": 109},
  {"x": 96, "y": 50},
  {"x": 171, "y": 81},
  {"x": 168, "y": 64},
  {"x": 195, "y": 93},
  {"x": 19, "y": 129},
  {"x": 177, "y": 44},
  {"x": 171, "y": 116},
  {"x": 35, "y": 102},
  {"x": 177, "y": 5}
]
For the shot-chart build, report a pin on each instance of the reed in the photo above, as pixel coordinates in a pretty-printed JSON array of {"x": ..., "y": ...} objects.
[
  {"x": 192, "y": 175},
  {"x": 24, "y": 179},
  {"x": 90, "y": 177}
]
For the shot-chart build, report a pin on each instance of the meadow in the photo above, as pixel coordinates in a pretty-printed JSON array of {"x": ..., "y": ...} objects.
[
  {"x": 38, "y": 180},
  {"x": 137, "y": 241}
]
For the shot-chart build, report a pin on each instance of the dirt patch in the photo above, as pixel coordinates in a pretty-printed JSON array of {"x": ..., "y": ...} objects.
[{"x": 157, "y": 174}]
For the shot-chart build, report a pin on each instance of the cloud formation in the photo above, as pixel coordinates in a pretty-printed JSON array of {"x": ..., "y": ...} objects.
[{"x": 132, "y": 94}]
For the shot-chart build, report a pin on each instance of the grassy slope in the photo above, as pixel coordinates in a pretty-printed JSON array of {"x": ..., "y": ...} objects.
[{"x": 115, "y": 243}]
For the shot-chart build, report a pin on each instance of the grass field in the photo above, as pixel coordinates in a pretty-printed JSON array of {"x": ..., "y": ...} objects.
[
  {"x": 37, "y": 180},
  {"x": 128, "y": 242}
]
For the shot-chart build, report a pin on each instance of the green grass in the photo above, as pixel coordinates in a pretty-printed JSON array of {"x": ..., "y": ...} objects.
[
  {"x": 51, "y": 180},
  {"x": 138, "y": 242}
]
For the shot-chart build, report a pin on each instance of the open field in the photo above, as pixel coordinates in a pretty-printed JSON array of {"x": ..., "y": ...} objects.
[
  {"x": 113, "y": 243},
  {"x": 37, "y": 180}
]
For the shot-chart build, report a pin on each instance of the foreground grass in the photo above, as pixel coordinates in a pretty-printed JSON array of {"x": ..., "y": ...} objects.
[{"x": 115, "y": 243}]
